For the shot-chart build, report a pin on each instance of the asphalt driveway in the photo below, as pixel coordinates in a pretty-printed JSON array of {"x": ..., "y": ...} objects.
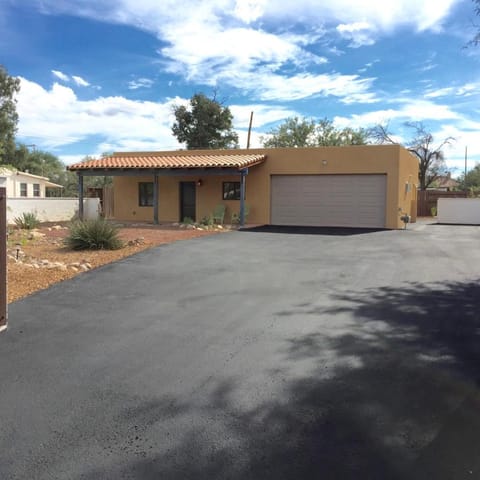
[{"x": 253, "y": 355}]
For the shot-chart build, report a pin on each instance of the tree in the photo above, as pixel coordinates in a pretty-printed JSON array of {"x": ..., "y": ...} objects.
[
  {"x": 471, "y": 182},
  {"x": 205, "y": 124},
  {"x": 431, "y": 160},
  {"x": 295, "y": 132},
  {"x": 9, "y": 87}
]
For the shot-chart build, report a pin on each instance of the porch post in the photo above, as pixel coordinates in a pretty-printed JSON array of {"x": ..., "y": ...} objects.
[
  {"x": 3, "y": 259},
  {"x": 80, "y": 195},
  {"x": 243, "y": 174},
  {"x": 155, "y": 199}
]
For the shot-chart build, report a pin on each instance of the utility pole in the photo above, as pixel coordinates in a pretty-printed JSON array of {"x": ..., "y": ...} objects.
[
  {"x": 465, "y": 177},
  {"x": 249, "y": 130}
]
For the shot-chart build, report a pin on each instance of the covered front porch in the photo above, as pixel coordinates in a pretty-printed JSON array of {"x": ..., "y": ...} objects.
[{"x": 172, "y": 186}]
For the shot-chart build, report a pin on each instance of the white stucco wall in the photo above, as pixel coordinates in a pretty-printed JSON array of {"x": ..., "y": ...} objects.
[
  {"x": 51, "y": 209},
  {"x": 459, "y": 211}
]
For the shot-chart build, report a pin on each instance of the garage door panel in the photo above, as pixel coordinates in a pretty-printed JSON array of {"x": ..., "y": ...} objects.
[{"x": 328, "y": 200}]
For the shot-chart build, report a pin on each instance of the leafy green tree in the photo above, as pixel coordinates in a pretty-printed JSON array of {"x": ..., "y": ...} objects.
[
  {"x": 296, "y": 132},
  {"x": 293, "y": 132},
  {"x": 471, "y": 182},
  {"x": 9, "y": 87},
  {"x": 327, "y": 135},
  {"x": 204, "y": 124}
]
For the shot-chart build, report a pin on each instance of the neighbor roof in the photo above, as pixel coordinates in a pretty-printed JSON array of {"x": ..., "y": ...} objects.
[{"x": 164, "y": 160}]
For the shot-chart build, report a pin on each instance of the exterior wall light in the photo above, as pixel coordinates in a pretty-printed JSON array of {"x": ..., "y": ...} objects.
[
  {"x": 324, "y": 162},
  {"x": 199, "y": 183}
]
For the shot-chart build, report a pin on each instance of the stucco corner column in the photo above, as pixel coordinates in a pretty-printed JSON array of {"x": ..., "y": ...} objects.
[
  {"x": 80, "y": 195},
  {"x": 243, "y": 174}
]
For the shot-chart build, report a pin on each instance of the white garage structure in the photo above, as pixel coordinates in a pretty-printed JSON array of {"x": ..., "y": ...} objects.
[{"x": 329, "y": 200}]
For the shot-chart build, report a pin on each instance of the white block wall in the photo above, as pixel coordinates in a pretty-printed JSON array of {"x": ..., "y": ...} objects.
[
  {"x": 52, "y": 209},
  {"x": 464, "y": 211}
]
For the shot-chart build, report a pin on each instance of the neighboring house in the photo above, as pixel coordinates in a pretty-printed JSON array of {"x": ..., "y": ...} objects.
[
  {"x": 351, "y": 186},
  {"x": 25, "y": 185},
  {"x": 445, "y": 183}
]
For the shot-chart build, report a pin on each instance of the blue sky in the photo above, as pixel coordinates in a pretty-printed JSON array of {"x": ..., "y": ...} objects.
[{"x": 104, "y": 75}]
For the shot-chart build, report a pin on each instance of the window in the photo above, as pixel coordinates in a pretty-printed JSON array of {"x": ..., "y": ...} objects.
[
  {"x": 36, "y": 189},
  {"x": 231, "y": 190},
  {"x": 145, "y": 194},
  {"x": 23, "y": 189}
]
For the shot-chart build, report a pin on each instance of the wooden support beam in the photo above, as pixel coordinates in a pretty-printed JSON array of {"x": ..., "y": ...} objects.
[
  {"x": 243, "y": 174},
  {"x": 155, "y": 199},
  {"x": 3, "y": 259},
  {"x": 80, "y": 195}
]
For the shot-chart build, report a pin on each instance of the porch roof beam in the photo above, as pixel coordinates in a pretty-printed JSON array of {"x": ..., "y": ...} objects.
[{"x": 161, "y": 172}]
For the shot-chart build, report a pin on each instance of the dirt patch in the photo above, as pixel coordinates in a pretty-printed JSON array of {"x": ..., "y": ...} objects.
[{"x": 39, "y": 259}]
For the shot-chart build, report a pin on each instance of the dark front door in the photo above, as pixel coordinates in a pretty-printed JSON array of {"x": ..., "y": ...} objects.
[{"x": 187, "y": 200}]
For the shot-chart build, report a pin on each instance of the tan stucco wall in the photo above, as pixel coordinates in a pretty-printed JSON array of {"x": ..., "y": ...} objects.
[{"x": 399, "y": 166}]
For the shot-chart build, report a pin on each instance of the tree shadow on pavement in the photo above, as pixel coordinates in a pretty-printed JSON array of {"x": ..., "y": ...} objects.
[{"x": 388, "y": 390}]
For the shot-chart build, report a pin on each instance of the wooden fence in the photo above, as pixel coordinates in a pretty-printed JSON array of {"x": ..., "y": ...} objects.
[{"x": 426, "y": 199}]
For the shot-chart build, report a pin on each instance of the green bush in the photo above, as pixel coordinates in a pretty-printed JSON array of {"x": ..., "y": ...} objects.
[
  {"x": 188, "y": 221},
  {"x": 93, "y": 235},
  {"x": 27, "y": 221},
  {"x": 207, "y": 221}
]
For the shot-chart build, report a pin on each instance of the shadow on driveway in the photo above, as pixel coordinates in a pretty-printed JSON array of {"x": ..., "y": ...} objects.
[
  {"x": 334, "y": 231},
  {"x": 394, "y": 394}
]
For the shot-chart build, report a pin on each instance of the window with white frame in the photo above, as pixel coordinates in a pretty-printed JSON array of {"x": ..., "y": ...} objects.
[
  {"x": 36, "y": 189},
  {"x": 23, "y": 189}
]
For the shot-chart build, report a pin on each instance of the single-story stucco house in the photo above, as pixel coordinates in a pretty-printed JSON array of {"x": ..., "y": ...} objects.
[
  {"x": 24, "y": 184},
  {"x": 369, "y": 186}
]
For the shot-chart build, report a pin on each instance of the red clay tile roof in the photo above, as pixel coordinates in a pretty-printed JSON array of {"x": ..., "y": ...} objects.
[{"x": 171, "y": 160}]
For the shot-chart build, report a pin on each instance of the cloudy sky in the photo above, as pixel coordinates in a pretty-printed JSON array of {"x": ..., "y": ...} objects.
[{"x": 100, "y": 76}]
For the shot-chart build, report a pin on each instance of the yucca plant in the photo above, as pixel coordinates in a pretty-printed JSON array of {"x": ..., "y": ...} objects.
[
  {"x": 93, "y": 235},
  {"x": 27, "y": 221}
]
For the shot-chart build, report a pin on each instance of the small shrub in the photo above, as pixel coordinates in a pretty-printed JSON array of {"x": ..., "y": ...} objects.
[
  {"x": 433, "y": 211},
  {"x": 27, "y": 221},
  {"x": 188, "y": 221},
  {"x": 207, "y": 221},
  {"x": 93, "y": 235}
]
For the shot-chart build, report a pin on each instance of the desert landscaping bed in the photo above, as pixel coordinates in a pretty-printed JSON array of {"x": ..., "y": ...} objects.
[{"x": 38, "y": 259}]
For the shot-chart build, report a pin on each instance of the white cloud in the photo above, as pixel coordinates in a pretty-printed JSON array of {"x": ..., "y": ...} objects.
[
  {"x": 81, "y": 82},
  {"x": 60, "y": 75},
  {"x": 465, "y": 90},
  {"x": 233, "y": 40},
  {"x": 140, "y": 83},
  {"x": 360, "y": 33},
  {"x": 249, "y": 10},
  {"x": 118, "y": 120}
]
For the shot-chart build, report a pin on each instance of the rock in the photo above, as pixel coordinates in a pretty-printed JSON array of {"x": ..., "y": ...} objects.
[
  {"x": 49, "y": 229},
  {"x": 44, "y": 262},
  {"x": 190, "y": 227},
  {"x": 200, "y": 228},
  {"x": 88, "y": 265},
  {"x": 220, "y": 227},
  {"x": 57, "y": 227},
  {"x": 75, "y": 269},
  {"x": 176, "y": 224},
  {"x": 75, "y": 265},
  {"x": 35, "y": 234},
  {"x": 35, "y": 265},
  {"x": 83, "y": 267}
]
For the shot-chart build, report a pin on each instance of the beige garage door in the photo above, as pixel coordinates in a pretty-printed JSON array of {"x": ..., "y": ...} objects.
[{"x": 328, "y": 200}]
